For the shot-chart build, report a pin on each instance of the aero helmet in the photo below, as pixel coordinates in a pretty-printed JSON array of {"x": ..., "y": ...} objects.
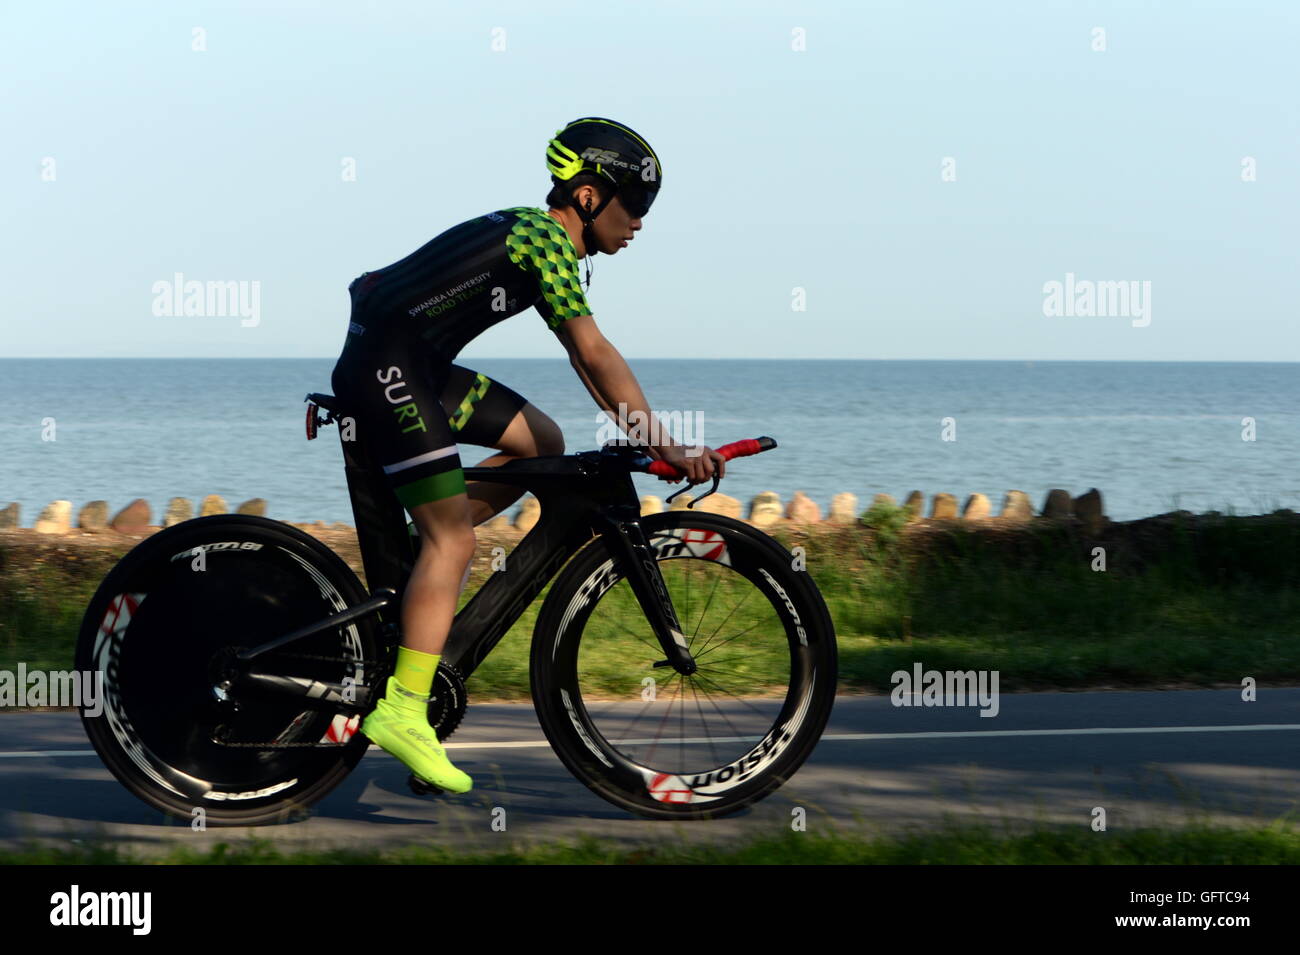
[{"x": 613, "y": 152}]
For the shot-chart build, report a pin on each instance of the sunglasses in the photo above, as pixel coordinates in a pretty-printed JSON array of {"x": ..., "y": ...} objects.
[{"x": 635, "y": 200}]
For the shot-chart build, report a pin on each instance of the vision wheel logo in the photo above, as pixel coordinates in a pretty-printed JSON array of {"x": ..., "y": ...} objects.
[
  {"x": 119, "y": 613},
  {"x": 341, "y": 729},
  {"x": 693, "y": 542},
  {"x": 667, "y": 788}
]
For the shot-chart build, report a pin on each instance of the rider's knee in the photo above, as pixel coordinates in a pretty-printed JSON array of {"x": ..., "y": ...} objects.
[
  {"x": 456, "y": 542},
  {"x": 448, "y": 535},
  {"x": 531, "y": 433},
  {"x": 549, "y": 438}
]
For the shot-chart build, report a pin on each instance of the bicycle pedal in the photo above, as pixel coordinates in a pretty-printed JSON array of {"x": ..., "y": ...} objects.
[{"x": 421, "y": 788}]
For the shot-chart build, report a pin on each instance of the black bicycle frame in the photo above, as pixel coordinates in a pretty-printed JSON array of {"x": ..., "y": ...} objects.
[{"x": 581, "y": 495}]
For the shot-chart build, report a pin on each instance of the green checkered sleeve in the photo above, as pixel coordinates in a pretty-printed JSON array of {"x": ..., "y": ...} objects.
[{"x": 540, "y": 246}]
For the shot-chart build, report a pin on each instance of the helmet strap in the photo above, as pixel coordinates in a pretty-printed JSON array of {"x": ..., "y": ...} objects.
[{"x": 588, "y": 230}]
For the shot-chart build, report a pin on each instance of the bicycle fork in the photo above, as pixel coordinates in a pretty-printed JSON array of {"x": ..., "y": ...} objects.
[{"x": 627, "y": 542}]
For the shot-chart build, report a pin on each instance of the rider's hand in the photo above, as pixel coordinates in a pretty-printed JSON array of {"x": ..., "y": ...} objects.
[{"x": 699, "y": 467}]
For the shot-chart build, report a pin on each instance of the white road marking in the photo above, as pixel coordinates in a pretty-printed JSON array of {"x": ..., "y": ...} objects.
[
  {"x": 829, "y": 737},
  {"x": 1088, "y": 731},
  {"x": 49, "y": 752}
]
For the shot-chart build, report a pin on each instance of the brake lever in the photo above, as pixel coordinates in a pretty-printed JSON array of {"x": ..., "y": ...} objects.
[{"x": 692, "y": 503}]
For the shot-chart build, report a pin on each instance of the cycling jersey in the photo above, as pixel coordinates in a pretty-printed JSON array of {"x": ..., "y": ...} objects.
[
  {"x": 411, "y": 318},
  {"x": 470, "y": 277}
]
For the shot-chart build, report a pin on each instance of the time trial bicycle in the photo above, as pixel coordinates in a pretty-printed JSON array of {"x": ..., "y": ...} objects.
[{"x": 683, "y": 664}]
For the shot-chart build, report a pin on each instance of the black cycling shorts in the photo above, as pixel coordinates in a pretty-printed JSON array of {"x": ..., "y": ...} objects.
[{"x": 412, "y": 411}]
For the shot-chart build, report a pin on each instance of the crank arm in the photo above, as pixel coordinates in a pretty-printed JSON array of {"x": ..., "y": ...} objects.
[{"x": 313, "y": 694}]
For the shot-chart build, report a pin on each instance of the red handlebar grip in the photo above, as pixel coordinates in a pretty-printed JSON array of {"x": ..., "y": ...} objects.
[{"x": 736, "y": 449}]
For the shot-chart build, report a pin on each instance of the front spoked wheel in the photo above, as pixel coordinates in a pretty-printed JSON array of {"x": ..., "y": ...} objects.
[{"x": 667, "y": 745}]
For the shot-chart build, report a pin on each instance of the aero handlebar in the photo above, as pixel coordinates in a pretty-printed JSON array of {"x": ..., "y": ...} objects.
[{"x": 737, "y": 449}]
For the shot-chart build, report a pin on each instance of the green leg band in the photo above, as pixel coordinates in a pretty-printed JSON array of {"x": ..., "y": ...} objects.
[{"x": 434, "y": 488}]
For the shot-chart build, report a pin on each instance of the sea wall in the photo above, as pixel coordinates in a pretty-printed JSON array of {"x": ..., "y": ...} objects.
[{"x": 763, "y": 509}]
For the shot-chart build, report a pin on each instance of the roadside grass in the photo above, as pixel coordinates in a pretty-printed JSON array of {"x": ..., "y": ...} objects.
[
  {"x": 952, "y": 844},
  {"x": 1043, "y": 617},
  {"x": 1204, "y": 608},
  {"x": 41, "y": 608}
]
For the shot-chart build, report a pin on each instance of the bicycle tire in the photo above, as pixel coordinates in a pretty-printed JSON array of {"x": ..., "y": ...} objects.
[
  {"x": 153, "y": 628},
  {"x": 612, "y": 769}
]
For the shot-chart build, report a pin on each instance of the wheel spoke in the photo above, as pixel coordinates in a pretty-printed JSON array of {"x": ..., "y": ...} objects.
[
  {"x": 730, "y": 694},
  {"x": 712, "y": 747},
  {"x": 667, "y": 714},
  {"x": 727, "y": 719},
  {"x": 648, "y": 703},
  {"x": 705, "y": 647},
  {"x": 654, "y": 646},
  {"x": 704, "y": 613},
  {"x": 705, "y": 653}
]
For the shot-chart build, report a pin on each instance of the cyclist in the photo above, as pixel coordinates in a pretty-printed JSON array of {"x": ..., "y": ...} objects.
[{"x": 411, "y": 319}]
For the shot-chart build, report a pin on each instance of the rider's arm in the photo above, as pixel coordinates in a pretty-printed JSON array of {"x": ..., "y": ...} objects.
[
  {"x": 542, "y": 249},
  {"x": 611, "y": 383},
  {"x": 607, "y": 376}
]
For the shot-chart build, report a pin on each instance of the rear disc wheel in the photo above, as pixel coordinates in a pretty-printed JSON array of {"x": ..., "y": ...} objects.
[{"x": 162, "y": 630}]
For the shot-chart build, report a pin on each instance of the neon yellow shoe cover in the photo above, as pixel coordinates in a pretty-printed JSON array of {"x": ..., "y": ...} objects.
[{"x": 399, "y": 725}]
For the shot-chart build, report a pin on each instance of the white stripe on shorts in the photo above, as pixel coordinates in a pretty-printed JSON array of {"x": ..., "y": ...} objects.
[{"x": 420, "y": 459}]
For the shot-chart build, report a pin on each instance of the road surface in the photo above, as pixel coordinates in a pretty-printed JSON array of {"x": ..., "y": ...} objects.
[{"x": 1146, "y": 757}]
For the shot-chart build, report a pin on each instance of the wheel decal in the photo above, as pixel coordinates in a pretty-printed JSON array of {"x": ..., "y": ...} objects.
[
  {"x": 118, "y": 616},
  {"x": 116, "y": 619},
  {"x": 664, "y": 787},
  {"x": 582, "y": 731},
  {"x": 695, "y": 541},
  {"x": 218, "y": 796},
  {"x": 341, "y": 729}
]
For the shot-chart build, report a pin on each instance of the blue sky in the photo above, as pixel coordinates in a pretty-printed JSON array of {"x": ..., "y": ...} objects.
[{"x": 817, "y": 169}]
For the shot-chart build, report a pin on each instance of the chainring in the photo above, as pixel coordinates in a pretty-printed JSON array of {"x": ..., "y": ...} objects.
[{"x": 447, "y": 700}]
